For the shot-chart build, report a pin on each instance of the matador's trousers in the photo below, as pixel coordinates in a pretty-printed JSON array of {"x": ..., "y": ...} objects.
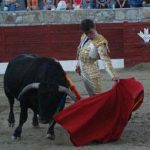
[{"x": 91, "y": 77}]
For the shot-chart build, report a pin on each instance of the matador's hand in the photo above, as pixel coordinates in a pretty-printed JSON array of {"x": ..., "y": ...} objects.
[{"x": 116, "y": 79}]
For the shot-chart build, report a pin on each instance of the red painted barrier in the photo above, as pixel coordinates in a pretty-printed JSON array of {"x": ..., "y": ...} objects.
[{"x": 60, "y": 41}]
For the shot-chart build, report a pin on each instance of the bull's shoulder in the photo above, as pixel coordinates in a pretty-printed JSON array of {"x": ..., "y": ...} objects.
[
  {"x": 23, "y": 58},
  {"x": 47, "y": 60},
  {"x": 49, "y": 63}
]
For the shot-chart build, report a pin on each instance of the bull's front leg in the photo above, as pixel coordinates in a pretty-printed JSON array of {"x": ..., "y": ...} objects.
[
  {"x": 11, "y": 118},
  {"x": 23, "y": 118},
  {"x": 35, "y": 121},
  {"x": 50, "y": 132}
]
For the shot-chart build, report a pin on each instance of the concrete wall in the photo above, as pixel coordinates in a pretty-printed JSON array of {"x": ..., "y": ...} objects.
[{"x": 19, "y": 18}]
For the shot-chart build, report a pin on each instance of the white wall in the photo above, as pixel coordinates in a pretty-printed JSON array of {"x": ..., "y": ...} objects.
[{"x": 70, "y": 65}]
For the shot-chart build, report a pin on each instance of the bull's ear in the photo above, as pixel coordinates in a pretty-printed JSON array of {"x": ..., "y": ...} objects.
[{"x": 67, "y": 91}]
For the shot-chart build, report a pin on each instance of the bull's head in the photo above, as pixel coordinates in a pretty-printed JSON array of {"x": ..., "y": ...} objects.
[{"x": 50, "y": 98}]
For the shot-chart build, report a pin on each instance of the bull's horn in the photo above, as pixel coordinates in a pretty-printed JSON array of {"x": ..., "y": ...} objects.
[
  {"x": 28, "y": 87},
  {"x": 67, "y": 91}
]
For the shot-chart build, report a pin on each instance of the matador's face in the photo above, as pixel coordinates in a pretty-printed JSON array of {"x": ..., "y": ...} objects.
[{"x": 91, "y": 34}]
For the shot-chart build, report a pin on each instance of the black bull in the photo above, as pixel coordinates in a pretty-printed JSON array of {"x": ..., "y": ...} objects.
[{"x": 38, "y": 83}]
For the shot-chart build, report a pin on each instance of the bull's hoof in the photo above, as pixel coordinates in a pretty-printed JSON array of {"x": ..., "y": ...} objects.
[
  {"x": 36, "y": 127},
  {"x": 14, "y": 138},
  {"x": 11, "y": 124},
  {"x": 17, "y": 134},
  {"x": 35, "y": 124},
  {"x": 11, "y": 120},
  {"x": 50, "y": 136}
]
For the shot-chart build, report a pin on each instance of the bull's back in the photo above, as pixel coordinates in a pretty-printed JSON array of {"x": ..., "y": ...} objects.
[
  {"x": 25, "y": 69},
  {"x": 16, "y": 70}
]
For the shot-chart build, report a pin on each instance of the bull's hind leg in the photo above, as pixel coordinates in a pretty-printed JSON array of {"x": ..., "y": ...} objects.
[
  {"x": 50, "y": 132},
  {"x": 35, "y": 121},
  {"x": 11, "y": 117}
]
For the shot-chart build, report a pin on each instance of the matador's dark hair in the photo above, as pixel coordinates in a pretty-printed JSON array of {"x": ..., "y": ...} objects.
[{"x": 86, "y": 25}]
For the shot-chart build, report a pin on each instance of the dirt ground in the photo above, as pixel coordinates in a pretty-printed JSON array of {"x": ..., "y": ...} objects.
[{"x": 136, "y": 135}]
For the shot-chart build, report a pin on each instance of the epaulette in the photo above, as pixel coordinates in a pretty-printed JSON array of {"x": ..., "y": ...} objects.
[
  {"x": 99, "y": 40},
  {"x": 83, "y": 36}
]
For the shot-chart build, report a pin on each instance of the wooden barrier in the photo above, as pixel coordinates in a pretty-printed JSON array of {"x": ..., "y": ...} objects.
[{"x": 60, "y": 41}]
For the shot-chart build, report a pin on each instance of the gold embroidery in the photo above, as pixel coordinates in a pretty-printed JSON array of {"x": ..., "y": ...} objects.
[
  {"x": 99, "y": 40},
  {"x": 89, "y": 67}
]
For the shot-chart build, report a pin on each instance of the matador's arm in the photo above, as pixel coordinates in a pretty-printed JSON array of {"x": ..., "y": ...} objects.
[
  {"x": 102, "y": 48},
  {"x": 103, "y": 53}
]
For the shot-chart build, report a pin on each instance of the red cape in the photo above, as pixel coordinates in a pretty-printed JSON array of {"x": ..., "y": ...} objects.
[{"x": 102, "y": 117}]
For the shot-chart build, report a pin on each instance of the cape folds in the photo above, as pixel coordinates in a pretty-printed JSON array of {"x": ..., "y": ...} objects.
[{"x": 102, "y": 117}]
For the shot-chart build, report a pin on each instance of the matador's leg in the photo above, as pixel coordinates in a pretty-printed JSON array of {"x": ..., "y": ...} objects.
[{"x": 93, "y": 86}]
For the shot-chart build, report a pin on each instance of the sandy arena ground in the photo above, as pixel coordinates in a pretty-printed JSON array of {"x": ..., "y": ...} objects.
[{"x": 136, "y": 135}]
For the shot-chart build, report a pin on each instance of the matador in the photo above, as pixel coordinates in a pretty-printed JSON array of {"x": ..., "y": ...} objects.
[{"x": 89, "y": 51}]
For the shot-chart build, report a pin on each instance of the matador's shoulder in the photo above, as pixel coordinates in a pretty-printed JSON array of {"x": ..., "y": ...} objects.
[
  {"x": 83, "y": 36},
  {"x": 99, "y": 40}
]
